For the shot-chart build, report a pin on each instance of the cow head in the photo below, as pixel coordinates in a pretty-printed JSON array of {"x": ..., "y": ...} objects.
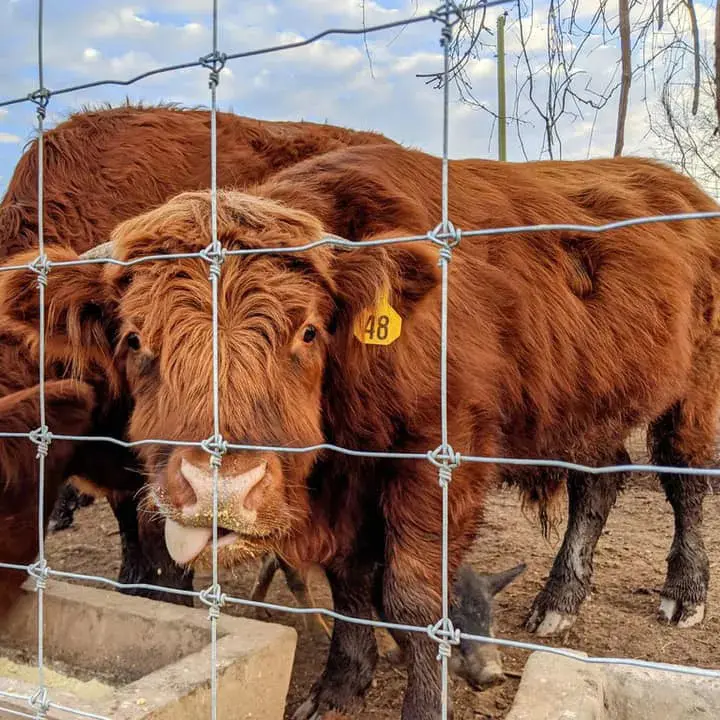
[
  {"x": 80, "y": 318},
  {"x": 281, "y": 319}
]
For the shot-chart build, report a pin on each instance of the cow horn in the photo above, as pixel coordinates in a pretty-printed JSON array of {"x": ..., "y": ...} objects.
[{"x": 104, "y": 250}]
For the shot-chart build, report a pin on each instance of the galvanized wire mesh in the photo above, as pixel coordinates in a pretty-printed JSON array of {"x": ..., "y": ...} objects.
[{"x": 444, "y": 236}]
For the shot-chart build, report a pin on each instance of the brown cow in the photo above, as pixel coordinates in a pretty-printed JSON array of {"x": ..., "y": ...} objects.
[
  {"x": 81, "y": 317},
  {"x": 559, "y": 345},
  {"x": 77, "y": 345},
  {"x": 70, "y": 405},
  {"x": 104, "y": 166}
]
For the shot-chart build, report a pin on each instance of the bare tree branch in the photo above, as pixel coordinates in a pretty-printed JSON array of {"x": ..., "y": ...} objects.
[{"x": 565, "y": 82}]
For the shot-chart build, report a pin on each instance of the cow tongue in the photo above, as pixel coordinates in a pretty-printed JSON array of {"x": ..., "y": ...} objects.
[{"x": 185, "y": 543}]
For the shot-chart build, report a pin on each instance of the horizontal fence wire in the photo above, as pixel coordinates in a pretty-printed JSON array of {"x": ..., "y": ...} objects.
[
  {"x": 432, "y": 237},
  {"x": 433, "y": 15},
  {"x": 380, "y": 455},
  {"x": 445, "y": 237}
]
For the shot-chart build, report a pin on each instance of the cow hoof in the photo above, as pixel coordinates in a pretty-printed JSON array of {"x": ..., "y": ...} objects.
[
  {"x": 549, "y": 623},
  {"x": 684, "y": 615},
  {"x": 59, "y": 526},
  {"x": 308, "y": 710}
]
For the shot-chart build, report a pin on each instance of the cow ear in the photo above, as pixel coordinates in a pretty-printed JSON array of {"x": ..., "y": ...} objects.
[
  {"x": 408, "y": 272},
  {"x": 68, "y": 411}
]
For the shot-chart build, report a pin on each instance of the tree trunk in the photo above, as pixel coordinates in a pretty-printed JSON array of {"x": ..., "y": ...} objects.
[
  {"x": 717, "y": 65},
  {"x": 624, "y": 14},
  {"x": 696, "y": 54}
]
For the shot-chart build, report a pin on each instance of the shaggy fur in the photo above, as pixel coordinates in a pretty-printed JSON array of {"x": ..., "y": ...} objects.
[
  {"x": 69, "y": 408},
  {"x": 559, "y": 345},
  {"x": 101, "y": 167}
]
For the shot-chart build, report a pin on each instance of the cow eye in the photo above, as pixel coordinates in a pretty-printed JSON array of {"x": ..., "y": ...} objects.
[
  {"x": 309, "y": 334},
  {"x": 133, "y": 341}
]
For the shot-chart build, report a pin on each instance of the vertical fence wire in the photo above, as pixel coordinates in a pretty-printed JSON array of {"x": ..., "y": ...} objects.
[
  {"x": 40, "y": 700},
  {"x": 444, "y": 473},
  {"x": 215, "y": 256}
]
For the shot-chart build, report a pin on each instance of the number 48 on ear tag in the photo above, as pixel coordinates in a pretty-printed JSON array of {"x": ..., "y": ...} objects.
[{"x": 379, "y": 325}]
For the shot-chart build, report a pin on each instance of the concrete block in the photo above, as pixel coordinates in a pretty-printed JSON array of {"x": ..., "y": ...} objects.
[
  {"x": 154, "y": 658},
  {"x": 554, "y": 687}
]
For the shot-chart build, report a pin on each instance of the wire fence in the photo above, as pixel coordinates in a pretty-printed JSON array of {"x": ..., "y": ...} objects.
[{"x": 444, "y": 236}]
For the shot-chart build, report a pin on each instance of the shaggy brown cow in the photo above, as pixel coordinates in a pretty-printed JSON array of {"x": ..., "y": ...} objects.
[
  {"x": 102, "y": 167},
  {"x": 79, "y": 213},
  {"x": 559, "y": 344},
  {"x": 77, "y": 345},
  {"x": 69, "y": 407}
]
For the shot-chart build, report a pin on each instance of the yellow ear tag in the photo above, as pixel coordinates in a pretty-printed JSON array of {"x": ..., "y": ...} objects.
[{"x": 379, "y": 325}]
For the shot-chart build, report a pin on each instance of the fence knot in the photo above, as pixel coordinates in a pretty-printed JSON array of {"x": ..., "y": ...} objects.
[
  {"x": 216, "y": 447},
  {"x": 40, "y": 98},
  {"x": 42, "y": 437},
  {"x": 446, "y": 35},
  {"x": 445, "y": 635},
  {"x": 214, "y": 258},
  {"x": 214, "y": 599},
  {"x": 444, "y": 456},
  {"x": 40, "y": 702},
  {"x": 448, "y": 237},
  {"x": 447, "y": 13},
  {"x": 38, "y": 571},
  {"x": 214, "y": 62},
  {"x": 445, "y": 459},
  {"x": 41, "y": 267}
]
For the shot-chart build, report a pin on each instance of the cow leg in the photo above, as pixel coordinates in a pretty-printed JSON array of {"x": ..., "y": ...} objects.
[
  {"x": 298, "y": 587},
  {"x": 412, "y": 579},
  {"x": 590, "y": 499},
  {"x": 268, "y": 567},
  {"x": 353, "y": 651},
  {"x": 145, "y": 559},
  {"x": 271, "y": 563},
  {"x": 63, "y": 512},
  {"x": 683, "y": 437},
  {"x": 409, "y": 599}
]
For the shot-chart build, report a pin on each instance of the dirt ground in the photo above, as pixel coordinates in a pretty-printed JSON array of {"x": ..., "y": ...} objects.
[{"x": 617, "y": 620}]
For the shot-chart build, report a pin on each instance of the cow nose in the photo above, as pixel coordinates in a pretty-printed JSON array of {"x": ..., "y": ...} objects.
[{"x": 232, "y": 488}]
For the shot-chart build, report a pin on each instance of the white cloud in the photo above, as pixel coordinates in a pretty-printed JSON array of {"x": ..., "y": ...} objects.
[
  {"x": 330, "y": 80},
  {"x": 8, "y": 138},
  {"x": 124, "y": 22},
  {"x": 418, "y": 62}
]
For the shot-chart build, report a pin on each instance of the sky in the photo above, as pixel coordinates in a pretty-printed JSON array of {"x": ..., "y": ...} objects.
[{"x": 368, "y": 82}]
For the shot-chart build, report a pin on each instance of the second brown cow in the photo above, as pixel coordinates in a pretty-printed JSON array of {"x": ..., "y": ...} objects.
[{"x": 559, "y": 345}]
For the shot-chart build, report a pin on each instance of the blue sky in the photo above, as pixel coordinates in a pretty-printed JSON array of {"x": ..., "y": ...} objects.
[{"x": 331, "y": 81}]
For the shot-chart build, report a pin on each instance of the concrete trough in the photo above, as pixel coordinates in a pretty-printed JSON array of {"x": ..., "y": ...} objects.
[
  {"x": 129, "y": 658},
  {"x": 554, "y": 687}
]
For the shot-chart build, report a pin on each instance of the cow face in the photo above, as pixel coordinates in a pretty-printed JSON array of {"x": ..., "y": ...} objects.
[{"x": 279, "y": 319}]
